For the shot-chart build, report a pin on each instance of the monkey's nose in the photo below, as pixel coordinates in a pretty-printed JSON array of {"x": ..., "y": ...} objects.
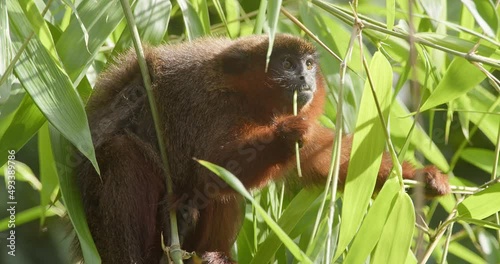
[{"x": 302, "y": 77}]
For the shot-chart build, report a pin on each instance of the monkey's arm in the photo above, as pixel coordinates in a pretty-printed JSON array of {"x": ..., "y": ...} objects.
[
  {"x": 317, "y": 153},
  {"x": 261, "y": 153}
]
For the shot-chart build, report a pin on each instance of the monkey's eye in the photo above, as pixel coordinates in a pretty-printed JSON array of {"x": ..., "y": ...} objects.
[
  {"x": 309, "y": 64},
  {"x": 287, "y": 64}
]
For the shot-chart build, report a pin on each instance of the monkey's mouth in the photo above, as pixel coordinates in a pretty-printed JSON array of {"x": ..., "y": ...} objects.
[
  {"x": 305, "y": 88},
  {"x": 304, "y": 94}
]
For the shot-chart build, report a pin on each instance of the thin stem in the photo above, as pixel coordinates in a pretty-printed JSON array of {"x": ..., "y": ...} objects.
[
  {"x": 333, "y": 173},
  {"x": 175, "y": 250},
  {"x": 414, "y": 87},
  {"x": 447, "y": 244},
  {"x": 441, "y": 230},
  {"x": 297, "y": 145},
  {"x": 347, "y": 17}
]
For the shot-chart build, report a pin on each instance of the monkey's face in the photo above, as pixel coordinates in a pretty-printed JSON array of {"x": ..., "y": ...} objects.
[{"x": 292, "y": 73}]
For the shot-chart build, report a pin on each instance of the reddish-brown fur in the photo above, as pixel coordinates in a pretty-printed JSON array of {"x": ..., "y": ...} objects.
[{"x": 218, "y": 104}]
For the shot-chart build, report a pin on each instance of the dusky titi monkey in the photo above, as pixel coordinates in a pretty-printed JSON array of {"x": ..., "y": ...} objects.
[{"x": 216, "y": 103}]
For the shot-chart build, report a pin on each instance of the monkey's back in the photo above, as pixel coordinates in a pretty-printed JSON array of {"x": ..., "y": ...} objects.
[{"x": 196, "y": 108}]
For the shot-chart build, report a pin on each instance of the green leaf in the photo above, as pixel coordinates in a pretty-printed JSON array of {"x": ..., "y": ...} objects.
[
  {"x": 232, "y": 8},
  {"x": 261, "y": 17},
  {"x": 273, "y": 11},
  {"x": 220, "y": 11},
  {"x": 460, "y": 77},
  {"x": 49, "y": 86},
  {"x": 151, "y": 17},
  {"x": 373, "y": 224},
  {"x": 29, "y": 215},
  {"x": 483, "y": 10},
  {"x": 395, "y": 241},
  {"x": 481, "y": 158},
  {"x": 48, "y": 171},
  {"x": 478, "y": 222},
  {"x": 434, "y": 9},
  {"x": 466, "y": 254},
  {"x": 23, "y": 173},
  {"x": 194, "y": 26},
  {"x": 481, "y": 204},
  {"x": 232, "y": 181},
  {"x": 401, "y": 124},
  {"x": 366, "y": 153},
  {"x": 485, "y": 110},
  {"x": 6, "y": 78},
  {"x": 201, "y": 9},
  {"x": 390, "y": 14},
  {"x": 100, "y": 18},
  {"x": 39, "y": 27},
  {"x": 19, "y": 127},
  {"x": 461, "y": 45},
  {"x": 294, "y": 212}
]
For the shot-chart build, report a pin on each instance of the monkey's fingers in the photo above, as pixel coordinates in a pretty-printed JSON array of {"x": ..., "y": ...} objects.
[
  {"x": 216, "y": 258},
  {"x": 292, "y": 129}
]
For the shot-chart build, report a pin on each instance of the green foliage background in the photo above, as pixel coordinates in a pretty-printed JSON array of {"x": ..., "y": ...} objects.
[{"x": 52, "y": 51}]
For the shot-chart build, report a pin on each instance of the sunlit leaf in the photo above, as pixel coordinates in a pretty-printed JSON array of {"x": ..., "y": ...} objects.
[
  {"x": 480, "y": 205},
  {"x": 49, "y": 86},
  {"x": 194, "y": 26},
  {"x": 460, "y": 77},
  {"x": 367, "y": 149},
  {"x": 396, "y": 237},
  {"x": 234, "y": 183}
]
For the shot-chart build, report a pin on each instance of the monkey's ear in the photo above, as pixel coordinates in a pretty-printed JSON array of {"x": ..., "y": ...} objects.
[{"x": 235, "y": 60}]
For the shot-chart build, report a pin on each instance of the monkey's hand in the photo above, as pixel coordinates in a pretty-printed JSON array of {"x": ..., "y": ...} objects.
[
  {"x": 291, "y": 129},
  {"x": 436, "y": 182},
  {"x": 216, "y": 258}
]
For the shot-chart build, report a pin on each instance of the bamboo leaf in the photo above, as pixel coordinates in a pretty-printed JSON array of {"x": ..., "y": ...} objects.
[
  {"x": 100, "y": 18},
  {"x": 460, "y": 77},
  {"x": 49, "y": 86},
  {"x": 19, "y": 127},
  {"x": 48, "y": 171},
  {"x": 366, "y": 153},
  {"x": 201, "y": 9},
  {"x": 481, "y": 158},
  {"x": 395, "y": 241},
  {"x": 234, "y": 183},
  {"x": 370, "y": 231},
  {"x": 390, "y": 13},
  {"x": 28, "y": 215},
  {"x": 481, "y": 205},
  {"x": 294, "y": 212},
  {"x": 485, "y": 109},
  {"x": 273, "y": 11},
  {"x": 39, "y": 27},
  {"x": 478, "y": 222},
  {"x": 482, "y": 10},
  {"x": 152, "y": 18},
  {"x": 400, "y": 126},
  {"x": 194, "y": 26},
  {"x": 6, "y": 78},
  {"x": 233, "y": 14}
]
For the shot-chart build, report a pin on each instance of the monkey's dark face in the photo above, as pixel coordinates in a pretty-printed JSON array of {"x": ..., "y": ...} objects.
[{"x": 294, "y": 73}]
